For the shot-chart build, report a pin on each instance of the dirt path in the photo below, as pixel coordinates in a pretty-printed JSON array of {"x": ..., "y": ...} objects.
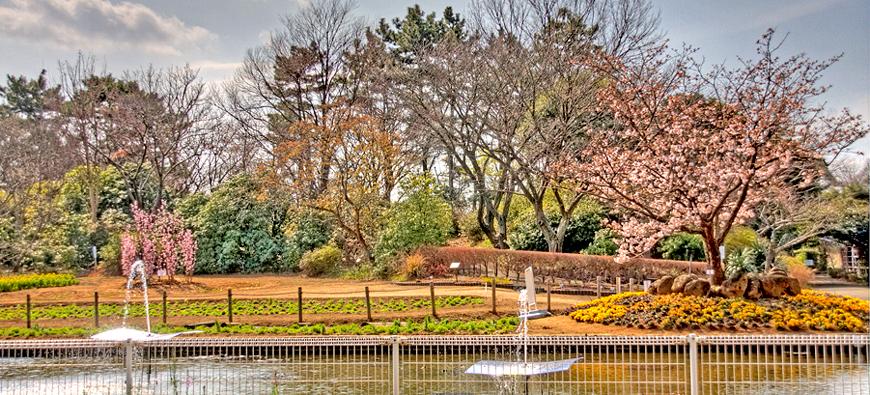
[{"x": 111, "y": 289}]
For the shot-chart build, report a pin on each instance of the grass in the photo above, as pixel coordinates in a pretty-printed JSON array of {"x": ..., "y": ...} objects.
[
  {"x": 253, "y": 307},
  {"x": 28, "y": 281},
  {"x": 426, "y": 326}
]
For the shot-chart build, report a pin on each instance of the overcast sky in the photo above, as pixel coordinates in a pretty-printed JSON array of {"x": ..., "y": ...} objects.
[{"x": 213, "y": 35}]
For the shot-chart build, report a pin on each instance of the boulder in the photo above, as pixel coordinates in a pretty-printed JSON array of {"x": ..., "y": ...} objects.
[
  {"x": 794, "y": 287},
  {"x": 681, "y": 281},
  {"x": 697, "y": 287},
  {"x": 777, "y": 272},
  {"x": 773, "y": 286},
  {"x": 662, "y": 286},
  {"x": 734, "y": 288},
  {"x": 753, "y": 288}
]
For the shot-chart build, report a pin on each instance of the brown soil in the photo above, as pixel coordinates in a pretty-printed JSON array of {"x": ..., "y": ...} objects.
[{"x": 111, "y": 290}]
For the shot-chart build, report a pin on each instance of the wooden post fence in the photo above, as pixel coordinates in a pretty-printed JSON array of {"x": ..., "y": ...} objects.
[
  {"x": 432, "y": 298},
  {"x": 28, "y": 311},
  {"x": 96, "y": 309},
  {"x": 631, "y": 285},
  {"x": 494, "y": 311},
  {"x": 549, "y": 309},
  {"x": 368, "y": 306},
  {"x": 165, "y": 307},
  {"x": 300, "y": 305},
  {"x": 230, "y": 305},
  {"x": 619, "y": 285}
]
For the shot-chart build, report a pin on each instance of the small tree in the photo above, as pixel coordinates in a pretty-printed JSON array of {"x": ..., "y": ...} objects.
[
  {"x": 161, "y": 241},
  {"x": 422, "y": 218}
]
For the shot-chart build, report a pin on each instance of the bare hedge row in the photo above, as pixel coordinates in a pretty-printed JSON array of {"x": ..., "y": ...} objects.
[{"x": 511, "y": 263}]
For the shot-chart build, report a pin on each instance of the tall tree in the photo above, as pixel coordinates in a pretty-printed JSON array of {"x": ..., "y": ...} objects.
[{"x": 697, "y": 151}]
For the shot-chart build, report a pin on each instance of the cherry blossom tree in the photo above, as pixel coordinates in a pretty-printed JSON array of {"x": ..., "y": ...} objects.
[
  {"x": 696, "y": 151},
  {"x": 161, "y": 241}
]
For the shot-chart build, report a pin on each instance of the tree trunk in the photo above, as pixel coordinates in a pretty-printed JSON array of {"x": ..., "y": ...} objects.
[{"x": 714, "y": 261}]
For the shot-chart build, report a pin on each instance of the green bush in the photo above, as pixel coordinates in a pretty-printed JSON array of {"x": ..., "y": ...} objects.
[
  {"x": 745, "y": 260},
  {"x": 322, "y": 261},
  {"x": 309, "y": 230},
  {"x": 422, "y": 218},
  {"x": 604, "y": 243},
  {"x": 682, "y": 247},
  {"x": 238, "y": 231},
  {"x": 525, "y": 234},
  {"x": 27, "y": 281}
]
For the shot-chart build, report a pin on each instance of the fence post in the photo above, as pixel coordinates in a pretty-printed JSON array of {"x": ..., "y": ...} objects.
[
  {"x": 694, "y": 385},
  {"x": 128, "y": 366},
  {"x": 619, "y": 285},
  {"x": 300, "y": 305},
  {"x": 28, "y": 311},
  {"x": 494, "y": 311},
  {"x": 164, "y": 307},
  {"x": 631, "y": 285},
  {"x": 598, "y": 286},
  {"x": 432, "y": 297},
  {"x": 96, "y": 309},
  {"x": 394, "y": 361},
  {"x": 230, "y": 305},
  {"x": 368, "y": 306},
  {"x": 548, "y": 299}
]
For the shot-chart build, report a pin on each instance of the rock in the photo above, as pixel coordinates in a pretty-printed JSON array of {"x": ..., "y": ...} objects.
[
  {"x": 777, "y": 272},
  {"x": 662, "y": 286},
  {"x": 715, "y": 290},
  {"x": 773, "y": 286},
  {"x": 697, "y": 287},
  {"x": 753, "y": 288},
  {"x": 681, "y": 281},
  {"x": 734, "y": 288},
  {"x": 794, "y": 287}
]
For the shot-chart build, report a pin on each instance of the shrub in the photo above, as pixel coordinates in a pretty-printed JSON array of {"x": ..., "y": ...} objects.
[
  {"x": 579, "y": 234},
  {"x": 413, "y": 267},
  {"x": 470, "y": 228},
  {"x": 801, "y": 272},
  {"x": 488, "y": 261},
  {"x": 745, "y": 260},
  {"x": 682, "y": 247},
  {"x": 309, "y": 230},
  {"x": 321, "y": 261},
  {"x": 422, "y": 218},
  {"x": 604, "y": 243},
  {"x": 27, "y": 281},
  {"x": 238, "y": 231}
]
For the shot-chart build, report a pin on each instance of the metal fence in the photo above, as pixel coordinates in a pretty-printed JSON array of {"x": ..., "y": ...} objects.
[{"x": 758, "y": 364}]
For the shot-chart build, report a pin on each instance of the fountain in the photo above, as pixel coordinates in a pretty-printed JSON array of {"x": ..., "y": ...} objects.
[
  {"x": 522, "y": 368},
  {"x": 123, "y": 333}
]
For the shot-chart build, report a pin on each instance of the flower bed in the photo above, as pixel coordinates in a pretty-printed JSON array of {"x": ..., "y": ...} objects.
[
  {"x": 27, "y": 281},
  {"x": 810, "y": 310}
]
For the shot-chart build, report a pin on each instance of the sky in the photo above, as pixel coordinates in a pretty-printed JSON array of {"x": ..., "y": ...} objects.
[{"x": 213, "y": 35}]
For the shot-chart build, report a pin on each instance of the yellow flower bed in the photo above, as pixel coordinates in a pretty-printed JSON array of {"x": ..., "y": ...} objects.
[
  {"x": 811, "y": 310},
  {"x": 27, "y": 281}
]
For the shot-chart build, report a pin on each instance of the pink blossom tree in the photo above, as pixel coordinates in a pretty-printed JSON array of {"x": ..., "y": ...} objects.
[
  {"x": 161, "y": 241},
  {"x": 696, "y": 151}
]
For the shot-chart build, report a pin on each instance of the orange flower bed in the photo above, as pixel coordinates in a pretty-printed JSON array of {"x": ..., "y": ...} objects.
[{"x": 811, "y": 310}]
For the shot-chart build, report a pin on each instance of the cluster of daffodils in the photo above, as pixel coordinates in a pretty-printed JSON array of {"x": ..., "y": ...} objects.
[{"x": 811, "y": 310}]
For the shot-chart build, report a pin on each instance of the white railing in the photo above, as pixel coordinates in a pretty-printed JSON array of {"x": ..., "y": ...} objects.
[{"x": 757, "y": 364}]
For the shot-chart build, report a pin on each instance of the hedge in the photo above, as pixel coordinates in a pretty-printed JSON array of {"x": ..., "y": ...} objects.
[
  {"x": 27, "y": 281},
  {"x": 511, "y": 263}
]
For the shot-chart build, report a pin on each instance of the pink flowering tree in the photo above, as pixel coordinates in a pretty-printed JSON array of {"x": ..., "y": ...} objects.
[
  {"x": 696, "y": 151},
  {"x": 161, "y": 241}
]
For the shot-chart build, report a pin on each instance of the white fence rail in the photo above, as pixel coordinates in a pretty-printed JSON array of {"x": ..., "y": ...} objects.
[{"x": 758, "y": 364}]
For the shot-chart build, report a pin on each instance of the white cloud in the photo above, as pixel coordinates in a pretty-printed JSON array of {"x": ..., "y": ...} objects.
[{"x": 99, "y": 25}]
